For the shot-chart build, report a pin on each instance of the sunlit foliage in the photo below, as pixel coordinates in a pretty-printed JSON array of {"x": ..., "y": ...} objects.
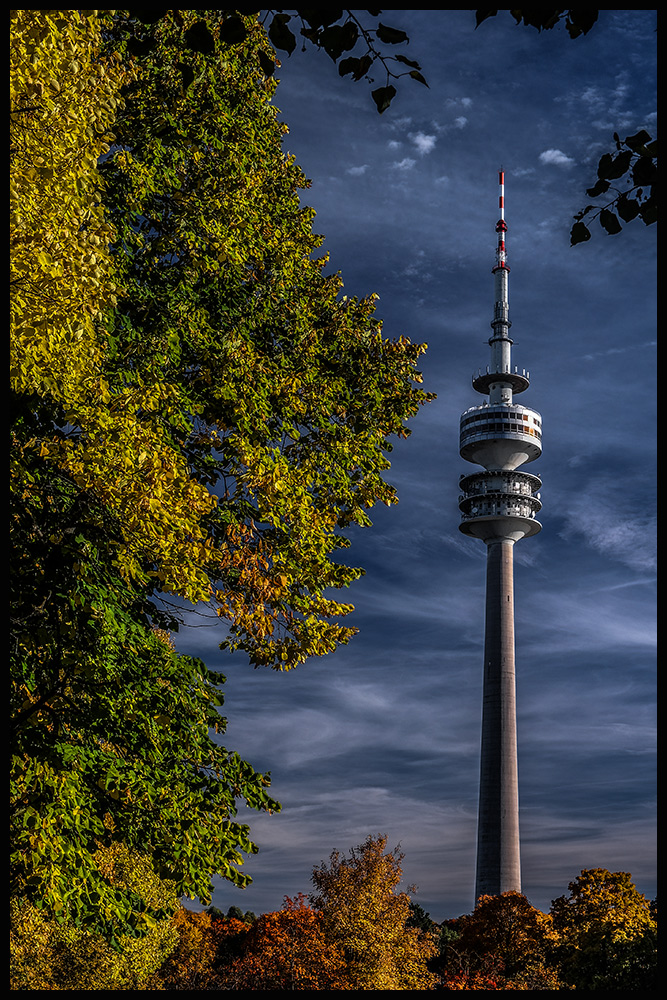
[
  {"x": 196, "y": 411},
  {"x": 365, "y": 915},
  {"x": 606, "y": 933},
  {"x": 46, "y": 955}
]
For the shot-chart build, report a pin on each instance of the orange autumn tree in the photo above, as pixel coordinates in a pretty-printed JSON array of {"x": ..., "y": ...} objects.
[
  {"x": 502, "y": 944},
  {"x": 287, "y": 950}
]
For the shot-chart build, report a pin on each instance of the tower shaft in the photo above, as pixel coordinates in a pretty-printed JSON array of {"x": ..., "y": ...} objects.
[{"x": 498, "y": 849}]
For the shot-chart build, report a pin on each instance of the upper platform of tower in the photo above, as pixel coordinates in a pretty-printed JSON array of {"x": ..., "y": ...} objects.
[{"x": 500, "y": 434}]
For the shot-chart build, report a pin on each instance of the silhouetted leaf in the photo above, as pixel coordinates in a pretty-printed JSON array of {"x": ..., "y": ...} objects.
[
  {"x": 481, "y": 15},
  {"x": 627, "y": 208},
  {"x": 391, "y": 36},
  {"x": 609, "y": 222},
  {"x": 610, "y": 167},
  {"x": 199, "y": 38},
  {"x": 321, "y": 17},
  {"x": 383, "y": 97},
  {"x": 648, "y": 211},
  {"x": 187, "y": 73},
  {"x": 233, "y": 31},
  {"x": 417, "y": 76},
  {"x": 339, "y": 38},
  {"x": 580, "y": 22},
  {"x": 604, "y": 165},
  {"x": 267, "y": 64},
  {"x": 141, "y": 46},
  {"x": 358, "y": 67},
  {"x": 600, "y": 187},
  {"x": 280, "y": 35},
  {"x": 408, "y": 62},
  {"x": 579, "y": 234},
  {"x": 638, "y": 141},
  {"x": 644, "y": 171}
]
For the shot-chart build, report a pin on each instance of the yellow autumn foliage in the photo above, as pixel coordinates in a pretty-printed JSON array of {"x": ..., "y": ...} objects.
[
  {"x": 64, "y": 97},
  {"x": 45, "y": 955}
]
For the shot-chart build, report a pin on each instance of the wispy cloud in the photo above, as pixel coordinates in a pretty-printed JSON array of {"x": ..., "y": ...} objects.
[
  {"x": 605, "y": 517},
  {"x": 357, "y": 171},
  {"x": 404, "y": 164}
]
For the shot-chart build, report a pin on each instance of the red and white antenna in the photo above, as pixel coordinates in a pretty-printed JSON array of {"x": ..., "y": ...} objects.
[{"x": 501, "y": 225}]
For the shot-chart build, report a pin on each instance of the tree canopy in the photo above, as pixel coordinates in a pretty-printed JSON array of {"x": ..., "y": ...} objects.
[
  {"x": 606, "y": 933},
  {"x": 365, "y": 915},
  {"x": 198, "y": 412}
]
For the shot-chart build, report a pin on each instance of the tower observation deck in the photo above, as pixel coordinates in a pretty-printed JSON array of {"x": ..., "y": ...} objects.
[{"x": 499, "y": 505}]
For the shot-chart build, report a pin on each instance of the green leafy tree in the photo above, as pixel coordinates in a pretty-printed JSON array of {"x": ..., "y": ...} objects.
[
  {"x": 111, "y": 728},
  {"x": 283, "y": 393},
  {"x": 196, "y": 411},
  {"x": 606, "y": 933}
]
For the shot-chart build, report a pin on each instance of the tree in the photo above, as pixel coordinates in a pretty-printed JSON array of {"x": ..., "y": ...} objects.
[
  {"x": 606, "y": 933},
  {"x": 324, "y": 29},
  {"x": 47, "y": 955},
  {"x": 204, "y": 942},
  {"x": 288, "y": 950},
  {"x": 505, "y": 939},
  {"x": 111, "y": 728},
  {"x": 368, "y": 919},
  {"x": 283, "y": 394},
  {"x": 636, "y": 161},
  {"x": 196, "y": 411}
]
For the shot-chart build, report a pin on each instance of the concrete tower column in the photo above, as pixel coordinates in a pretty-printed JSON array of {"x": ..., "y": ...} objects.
[{"x": 498, "y": 849}]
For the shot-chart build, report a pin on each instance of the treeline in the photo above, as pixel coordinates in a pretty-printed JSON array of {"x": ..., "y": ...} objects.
[
  {"x": 197, "y": 415},
  {"x": 358, "y": 931}
]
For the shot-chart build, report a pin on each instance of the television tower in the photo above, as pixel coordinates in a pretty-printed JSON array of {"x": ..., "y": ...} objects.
[{"x": 498, "y": 505}]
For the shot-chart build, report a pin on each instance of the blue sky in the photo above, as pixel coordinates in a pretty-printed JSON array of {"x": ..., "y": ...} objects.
[{"x": 383, "y": 735}]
